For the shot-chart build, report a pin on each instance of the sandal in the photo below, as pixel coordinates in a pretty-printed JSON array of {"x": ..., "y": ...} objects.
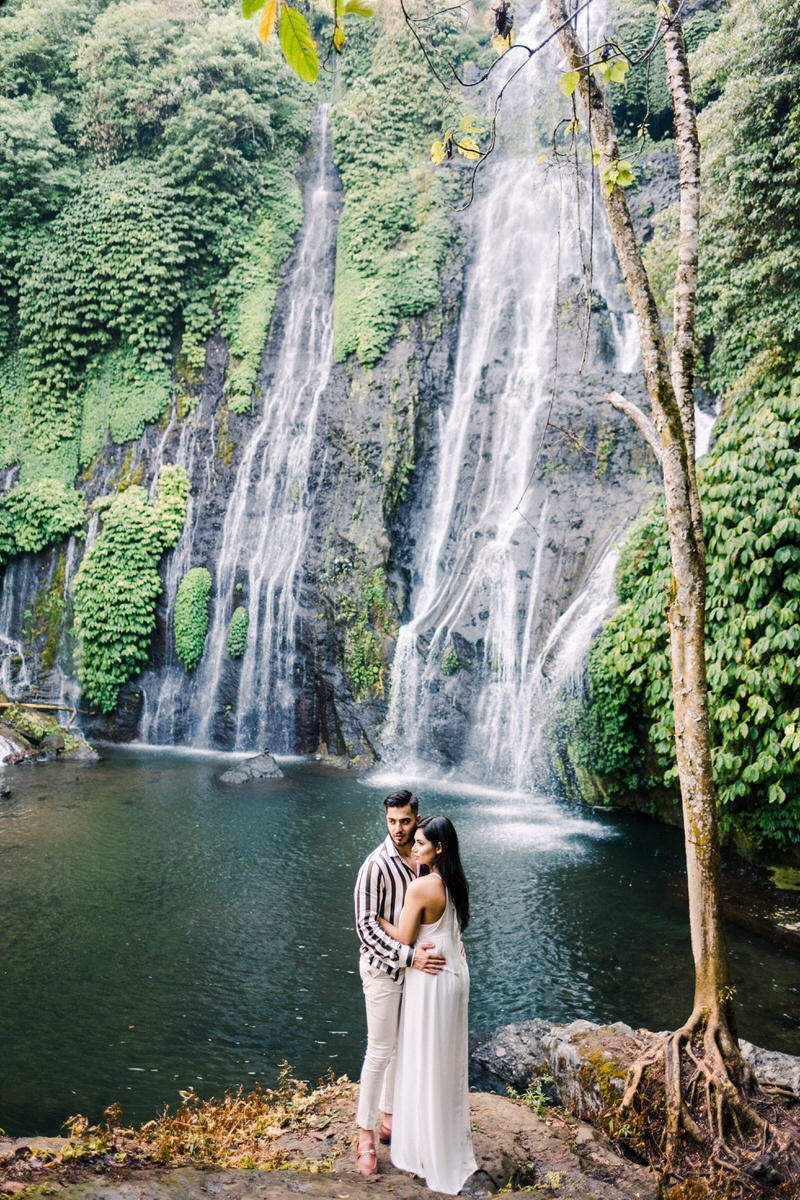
[
  {"x": 366, "y": 1153},
  {"x": 385, "y": 1134}
]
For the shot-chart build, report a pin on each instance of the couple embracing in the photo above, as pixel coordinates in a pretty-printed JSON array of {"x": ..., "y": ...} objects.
[{"x": 412, "y": 903}]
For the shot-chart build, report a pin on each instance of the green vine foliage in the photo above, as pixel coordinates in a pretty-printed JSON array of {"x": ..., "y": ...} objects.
[
  {"x": 748, "y": 83},
  {"x": 749, "y": 313},
  {"x": 450, "y": 661},
  {"x": 121, "y": 395},
  {"x": 646, "y": 99},
  {"x": 246, "y": 296},
  {"x": 109, "y": 267},
  {"x": 117, "y": 584},
  {"x": 395, "y": 232},
  {"x": 141, "y": 144},
  {"x": 368, "y": 621},
  {"x": 237, "y": 632},
  {"x": 753, "y": 631},
  {"x": 34, "y": 515},
  {"x": 191, "y": 616}
]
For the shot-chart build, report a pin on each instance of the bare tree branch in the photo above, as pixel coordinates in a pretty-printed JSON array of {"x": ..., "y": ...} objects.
[{"x": 640, "y": 420}]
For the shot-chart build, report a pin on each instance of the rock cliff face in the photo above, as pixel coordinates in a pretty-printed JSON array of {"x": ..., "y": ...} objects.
[{"x": 428, "y": 540}]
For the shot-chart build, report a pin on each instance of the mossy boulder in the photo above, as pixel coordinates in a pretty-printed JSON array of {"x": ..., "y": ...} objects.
[{"x": 37, "y": 732}]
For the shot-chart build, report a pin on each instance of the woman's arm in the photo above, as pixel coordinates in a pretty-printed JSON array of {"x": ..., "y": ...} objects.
[
  {"x": 387, "y": 927},
  {"x": 425, "y": 892},
  {"x": 428, "y": 890}
]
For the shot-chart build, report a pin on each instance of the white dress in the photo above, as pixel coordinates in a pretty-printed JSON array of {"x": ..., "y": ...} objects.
[{"x": 431, "y": 1123}]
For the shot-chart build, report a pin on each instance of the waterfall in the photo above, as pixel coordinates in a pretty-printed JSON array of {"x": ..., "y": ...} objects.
[
  {"x": 19, "y": 582},
  {"x": 472, "y": 659},
  {"x": 262, "y": 543},
  {"x": 562, "y": 660},
  {"x": 24, "y": 582}
]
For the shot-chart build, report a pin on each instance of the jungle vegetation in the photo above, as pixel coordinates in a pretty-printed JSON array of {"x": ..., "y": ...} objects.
[
  {"x": 148, "y": 178},
  {"x": 748, "y": 346}
]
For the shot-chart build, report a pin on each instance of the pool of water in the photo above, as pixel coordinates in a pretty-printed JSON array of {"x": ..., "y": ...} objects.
[{"x": 160, "y": 930}]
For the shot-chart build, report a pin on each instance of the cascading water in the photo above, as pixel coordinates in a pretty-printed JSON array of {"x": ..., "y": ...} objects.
[
  {"x": 471, "y": 660},
  {"x": 268, "y": 520},
  {"x": 24, "y": 581}
]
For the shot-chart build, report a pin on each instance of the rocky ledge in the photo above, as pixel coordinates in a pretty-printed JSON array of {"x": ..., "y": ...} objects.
[
  {"x": 588, "y": 1062},
  {"x": 30, "y": 731},
  {"x": 552, "y": 1154}
]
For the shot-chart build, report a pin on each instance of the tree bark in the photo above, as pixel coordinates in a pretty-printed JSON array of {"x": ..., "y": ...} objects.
[{"x": 670, "y": 384}]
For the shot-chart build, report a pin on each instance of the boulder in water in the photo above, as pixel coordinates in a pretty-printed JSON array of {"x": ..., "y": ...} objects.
[{"x": 261, "y": 766}]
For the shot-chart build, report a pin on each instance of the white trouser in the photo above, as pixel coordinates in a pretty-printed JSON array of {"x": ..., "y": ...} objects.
[{"x": 382, "y": 997}]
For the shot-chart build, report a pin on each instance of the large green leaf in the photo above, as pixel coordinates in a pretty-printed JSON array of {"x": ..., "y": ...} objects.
[
  {"x": 297, "y": 44},
  {"x": 251, "y": 6}
]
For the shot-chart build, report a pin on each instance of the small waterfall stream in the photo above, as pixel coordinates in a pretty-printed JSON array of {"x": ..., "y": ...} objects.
[
  {"x": 260, "y": 555},
  {"x": 486, "y": 547},
  {"x": 24, "y": 581}
]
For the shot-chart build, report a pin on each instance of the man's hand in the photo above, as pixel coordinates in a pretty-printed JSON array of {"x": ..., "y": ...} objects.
[{"x": 431, "y": 964}]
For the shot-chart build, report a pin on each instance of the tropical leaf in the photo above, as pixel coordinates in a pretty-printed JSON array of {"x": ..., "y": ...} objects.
[
  {"x": 437, "y": 152},
  {"x": 251, "y": 6},
  {"x": 468, "y": 147},
  {"x": 569, "y": 81},
  {"x": 470, "y": 125},
  {"x": 359, "y": 8},
  {"x": 617, "y": 173},
  {"x": 267, "y": 22},
  {"x": 297, "y": 44},
  {"x": 619, "y": 69},
  {"x": 502, "y": 43},
  {"x": 614, "y": 69},
  {"x": 338, "y": 37}
]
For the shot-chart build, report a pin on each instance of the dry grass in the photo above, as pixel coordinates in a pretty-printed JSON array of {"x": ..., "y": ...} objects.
[{"x": 290, "y": 1125}]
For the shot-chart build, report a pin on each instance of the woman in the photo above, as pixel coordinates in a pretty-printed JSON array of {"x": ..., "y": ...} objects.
[{"x": 431, "y": 1124}]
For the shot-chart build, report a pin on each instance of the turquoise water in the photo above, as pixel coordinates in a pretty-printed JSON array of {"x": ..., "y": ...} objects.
[{"x": 160, "y": 930}]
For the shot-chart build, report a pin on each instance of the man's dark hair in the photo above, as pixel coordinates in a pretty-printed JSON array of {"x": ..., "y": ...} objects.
[{"x": 401, "y": 799}]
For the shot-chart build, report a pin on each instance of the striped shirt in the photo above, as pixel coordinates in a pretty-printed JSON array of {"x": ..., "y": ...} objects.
[{"x": 380, "y": 892}]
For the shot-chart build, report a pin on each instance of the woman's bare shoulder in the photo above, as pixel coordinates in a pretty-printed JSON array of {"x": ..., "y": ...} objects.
[{"x": 427, "y": 885}]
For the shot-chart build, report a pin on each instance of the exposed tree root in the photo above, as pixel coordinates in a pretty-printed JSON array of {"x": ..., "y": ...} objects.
[{"x": 698, "y": 1112}]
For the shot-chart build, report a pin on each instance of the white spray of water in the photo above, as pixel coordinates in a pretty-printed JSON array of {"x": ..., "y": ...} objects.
[{"x": 481, "y": 561}]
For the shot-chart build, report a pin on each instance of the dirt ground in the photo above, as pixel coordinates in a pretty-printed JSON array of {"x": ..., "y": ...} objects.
[{"x": 516, "y": 1150}]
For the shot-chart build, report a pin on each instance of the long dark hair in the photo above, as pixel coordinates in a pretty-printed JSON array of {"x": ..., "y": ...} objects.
[{"x": 448, "y": 863}]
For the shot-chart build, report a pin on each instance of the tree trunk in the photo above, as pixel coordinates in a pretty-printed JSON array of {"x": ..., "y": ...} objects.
[{"x": 671, "y": 389}]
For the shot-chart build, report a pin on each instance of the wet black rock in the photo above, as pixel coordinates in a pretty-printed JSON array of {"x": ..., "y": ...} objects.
[{"x": 261, "y": 766}]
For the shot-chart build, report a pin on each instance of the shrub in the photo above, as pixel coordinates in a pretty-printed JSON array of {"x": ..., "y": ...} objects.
[
  {"x": 34, "y": 515},
  {"x": 237, "y": 632},
  {"x": 117, "y": 584},
  {"x": 450, "y": 662},
  {"x": 750, "y": 491},
  {"x": 191, "y": 616}
]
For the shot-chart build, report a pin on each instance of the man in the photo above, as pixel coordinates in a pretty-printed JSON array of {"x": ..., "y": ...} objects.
[{"x": 380, "y": 891}]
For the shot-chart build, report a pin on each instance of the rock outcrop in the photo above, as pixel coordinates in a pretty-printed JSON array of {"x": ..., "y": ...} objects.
[
  {"x": 261, "y": 766},
  {"x": 588, "y": 1062},
  {"x": 33, "y": 733}
]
